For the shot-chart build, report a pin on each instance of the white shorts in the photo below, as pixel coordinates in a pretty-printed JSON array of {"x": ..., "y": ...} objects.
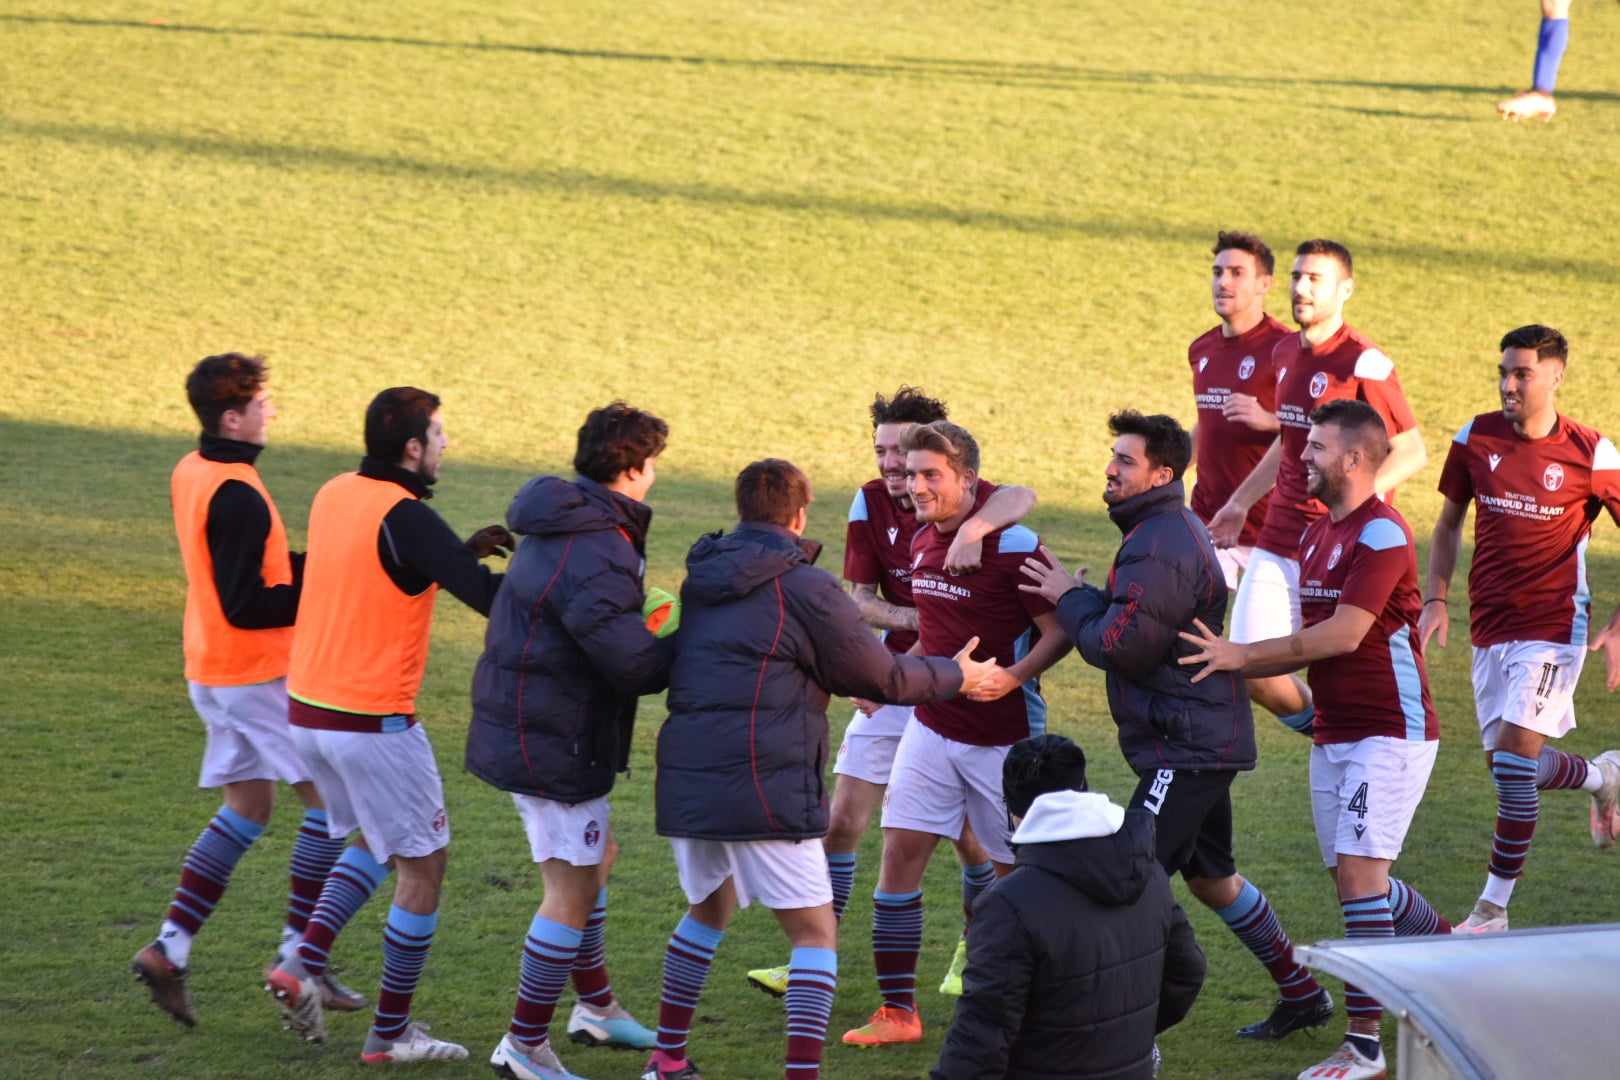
[
  {"x": 1233, "y": 560},
  {"x": 1267, "y": 604},
  {"x": 248, "y": 734},
  {"x": 867, "y": 752},
  {"x": 386, "y": 785},
  {"x": 1529, "y": 684},
  {"x": 937, "y": 783},
  {"x": 1363, "y": 794},
  {"x": 781, "y": 874},
  {"x": 575, "y": 834}
]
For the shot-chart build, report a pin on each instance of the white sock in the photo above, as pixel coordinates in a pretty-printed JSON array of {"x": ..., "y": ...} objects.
[
  {"x": 176, "y": 944},
  {"x": 1594, "y": 779},
  {"x": 1498, "y": 890}
]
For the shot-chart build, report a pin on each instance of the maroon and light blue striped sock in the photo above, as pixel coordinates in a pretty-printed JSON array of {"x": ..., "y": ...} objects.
[
  {"x": 348, "y": 886},
  {"x": 203, "y": 878},
  {"x": 549, "y": 953},
  {"x": 897, "y": 930},
  {"x": 313, "y": 855},
  {"x": 1254, "y": 922},
  {"x": 812, "y": 982},
  {"x": 686, "y": 968},
  {"x": 1411, "y": 914},
  {"x": 841, "y": 872},
  {"x": 407, "y": 937},
  {"x": 591, "y": 983},
  {"x": 1365, "y": 917}
]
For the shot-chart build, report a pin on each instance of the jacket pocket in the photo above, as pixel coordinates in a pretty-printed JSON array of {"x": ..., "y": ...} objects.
[{"x": 1170, "y": 719}]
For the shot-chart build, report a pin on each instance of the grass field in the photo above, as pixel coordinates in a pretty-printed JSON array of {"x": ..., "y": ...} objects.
[{"x": 747, "y": 216}]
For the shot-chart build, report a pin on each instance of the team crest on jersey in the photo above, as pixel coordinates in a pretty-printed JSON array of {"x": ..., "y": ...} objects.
[
  {"x": 1496, "y": 459},
  {"x": 1333, "y": 556},
  {"x": 893, "y": 533},
  {"x": 1553, "y": 478},
  {"x": 1319, "y": 384},
  {"x": 1203, "y": 362},
  {"x": 593, "y": 833},
  {"x": 1246, "y": 367}
]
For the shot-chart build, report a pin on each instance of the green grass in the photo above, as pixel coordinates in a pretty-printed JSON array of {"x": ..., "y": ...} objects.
[{"x": 749, "y": 217}]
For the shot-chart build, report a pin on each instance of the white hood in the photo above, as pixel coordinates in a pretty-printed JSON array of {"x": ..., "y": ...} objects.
[{"x": 1068, "y": 815}]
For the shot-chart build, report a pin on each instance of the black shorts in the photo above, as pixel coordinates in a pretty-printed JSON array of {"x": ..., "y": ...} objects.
[{"x": 1194, "y": 826}]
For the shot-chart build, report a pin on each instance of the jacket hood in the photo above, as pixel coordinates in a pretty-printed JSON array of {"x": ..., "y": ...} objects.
[
  {"x": 728, "y": 566},
  {"x": 1162, "y": 499},
  {"x": 1090, "y": 843},
  {"x": 549, "y": 505}
]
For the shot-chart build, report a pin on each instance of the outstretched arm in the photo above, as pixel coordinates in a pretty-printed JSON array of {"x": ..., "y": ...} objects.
[{"x": 1007, "y": 506}]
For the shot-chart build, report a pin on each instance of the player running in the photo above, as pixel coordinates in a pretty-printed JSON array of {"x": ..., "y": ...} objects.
[
  {"x": 1539, "y": 480},
  {"x": 877, "y": 565},
  {"x": 242, "y": 587},
  {"x": 947, "y": 768},
  {"x": 1326, "y": 361},
  {"x": 1375, "y": 730}
]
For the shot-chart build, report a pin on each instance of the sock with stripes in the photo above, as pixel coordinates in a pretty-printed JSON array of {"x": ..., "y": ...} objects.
[
  {"x": 406, "y": 940},
  {"x": 591, "y": 984},
  {"x": 549, "y": 953},
  {"x": 686, "y": 968},
  {"x": 1365, "y": 917},
  {"x": 1518, "y": 804},
  {"x": 976, "y": 879},
  {"x": 812, "y": 982},
  {"x": 203, "y": 877},
  {"x": 897, "y": 930},
  {"x": 348, "y": 886},
  {"x": 1556, "y": 769},
  {"x": 313, "y": 855},
  {"x": 1411, "y": 914},
  {"x": 1551, "y": 41},
  {"x": 1251, "y": 918},
  {"x": 841, "y": 869}
]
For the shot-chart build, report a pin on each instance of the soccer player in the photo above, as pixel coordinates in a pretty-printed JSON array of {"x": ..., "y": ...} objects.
[
  {"x": 377, "y": 558},
  {"x": 765, "y": 638},
  {"x": 242, "y": 588},
  {"x": 554, "y": 710},
  {"x": 1540, "y": 480},
  {"x": 1552, "y": 39},
  {"x": 947, "y": 768},
  {"x": 877, "y": 565},
  {"x": 1326, "y": 361},
  {"x": 1375, "y": 731},
  {"x": 1186, "y": 742}
]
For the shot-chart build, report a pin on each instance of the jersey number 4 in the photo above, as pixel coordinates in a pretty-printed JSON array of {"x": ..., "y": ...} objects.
[{"x": 1358, "y": 802}]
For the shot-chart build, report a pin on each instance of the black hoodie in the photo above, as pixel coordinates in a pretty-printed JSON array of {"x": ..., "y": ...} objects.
[
  {"x": 1076, "y": 959},
  {"x": 765, "y": 639}
]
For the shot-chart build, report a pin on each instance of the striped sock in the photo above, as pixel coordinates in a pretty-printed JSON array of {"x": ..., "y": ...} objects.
[
  {"x": 550, "y": 950},
  {"x": 348, "y": 886},
  {"x": 976, "y": 879},
  {"x": 406, "y": 940},
  {"x": 1518, "y": 804},
  {"x": 1251, "y": 918},
  {"x": 897, "y": 927},
  {"x": 313, "y": 854},
  {"x": 591, "y": 983},
  {"x": 812, "y": 981},
  {"x": 1560, "y": 770},
  {"x": 203, "y": 877},
  {"x": 686, "y": 967},
  {"x": 1411, "y": 913},
  {"x": 1365, "y": 917},
  {"x": 841, "y": 869}
]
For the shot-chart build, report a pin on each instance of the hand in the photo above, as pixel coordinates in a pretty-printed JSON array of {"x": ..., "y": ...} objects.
[
  {"x": 998, "y": 683},
  {"x": 966, "y": 553},
  {"x": 1050, "y": 578},
  {"x": 1433, "y": 622},
  {"x": 1246, "y": 409},
  {"x": 1227, "y": 525},
  {"x": 1215, "y": 653},
  {"x": 491, "y": 540},
  {"x": 1609, "y": 641},
  {"x": 974, "y": 672},
  {"x": 867, "y": 708}
]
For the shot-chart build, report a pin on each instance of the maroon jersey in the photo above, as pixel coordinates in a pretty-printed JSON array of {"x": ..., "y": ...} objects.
[
  {"x": 951, "y": 608},
  {"x": 1537, "y": 500},
  {"x": 1381, "y": 688},
  {"x": 1227, "y": 451},
  {"x": 1346, "y": 365},
  {"x": 877, "y": 547}
]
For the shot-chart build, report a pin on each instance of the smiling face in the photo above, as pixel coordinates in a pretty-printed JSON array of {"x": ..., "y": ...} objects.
[
  {"x": 938, "y": 491},
  {"x": 891, "y": 460},
  {"x": 1528, "y": 384},
  {"x": 1238, "y": 286},
  {"x": 1326, "y": 462},
  {"x": 1320, "y": 288}
]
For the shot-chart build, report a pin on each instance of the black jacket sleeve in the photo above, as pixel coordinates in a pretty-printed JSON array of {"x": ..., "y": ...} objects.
[
  {"x": 1184, "y": 968},
  {"x": 238, "y": 528},
  {"x": 995, "y": 989},
  {"x": 850, "y": 661},
  {"x": 418, "y": 549},
  {"x": 602, "y": 613},
  {"x": 1132, "y": 629}
]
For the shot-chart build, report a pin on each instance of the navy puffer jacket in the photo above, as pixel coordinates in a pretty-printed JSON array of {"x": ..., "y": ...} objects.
[
  {"x": 566, "y": 653},
  {"x": 765, "y": 639}
]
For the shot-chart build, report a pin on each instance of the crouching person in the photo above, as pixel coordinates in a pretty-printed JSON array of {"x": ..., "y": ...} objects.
[{"x": 1081, "y": 955}]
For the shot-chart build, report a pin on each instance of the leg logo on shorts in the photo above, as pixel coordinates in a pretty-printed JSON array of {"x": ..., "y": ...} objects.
[
  {"x": 438, "y": 821},
  {"x": 1358, "y": 807},
  {"x": 593, "y": 833},
  {"x": 1161, "y": 787}
]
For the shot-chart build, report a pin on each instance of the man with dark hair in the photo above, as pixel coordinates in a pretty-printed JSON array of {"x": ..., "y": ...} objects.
[
  {"x": 377, "y": 557},
  {"x": 1375, "y": 733},
  {"x": 877, "y": 566},
  {"x": 765, "y": 638},
  {"x": 1326, "y": 361},
  {"x": 554, "y": 709},
  {"x": 242, "y": 586},
  {"x": 1084, "y": 994},
  {"x": 1186, "y": 742},
  {"x": 947, "y": 768},
  {"x": 1540, "y": 481}
]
